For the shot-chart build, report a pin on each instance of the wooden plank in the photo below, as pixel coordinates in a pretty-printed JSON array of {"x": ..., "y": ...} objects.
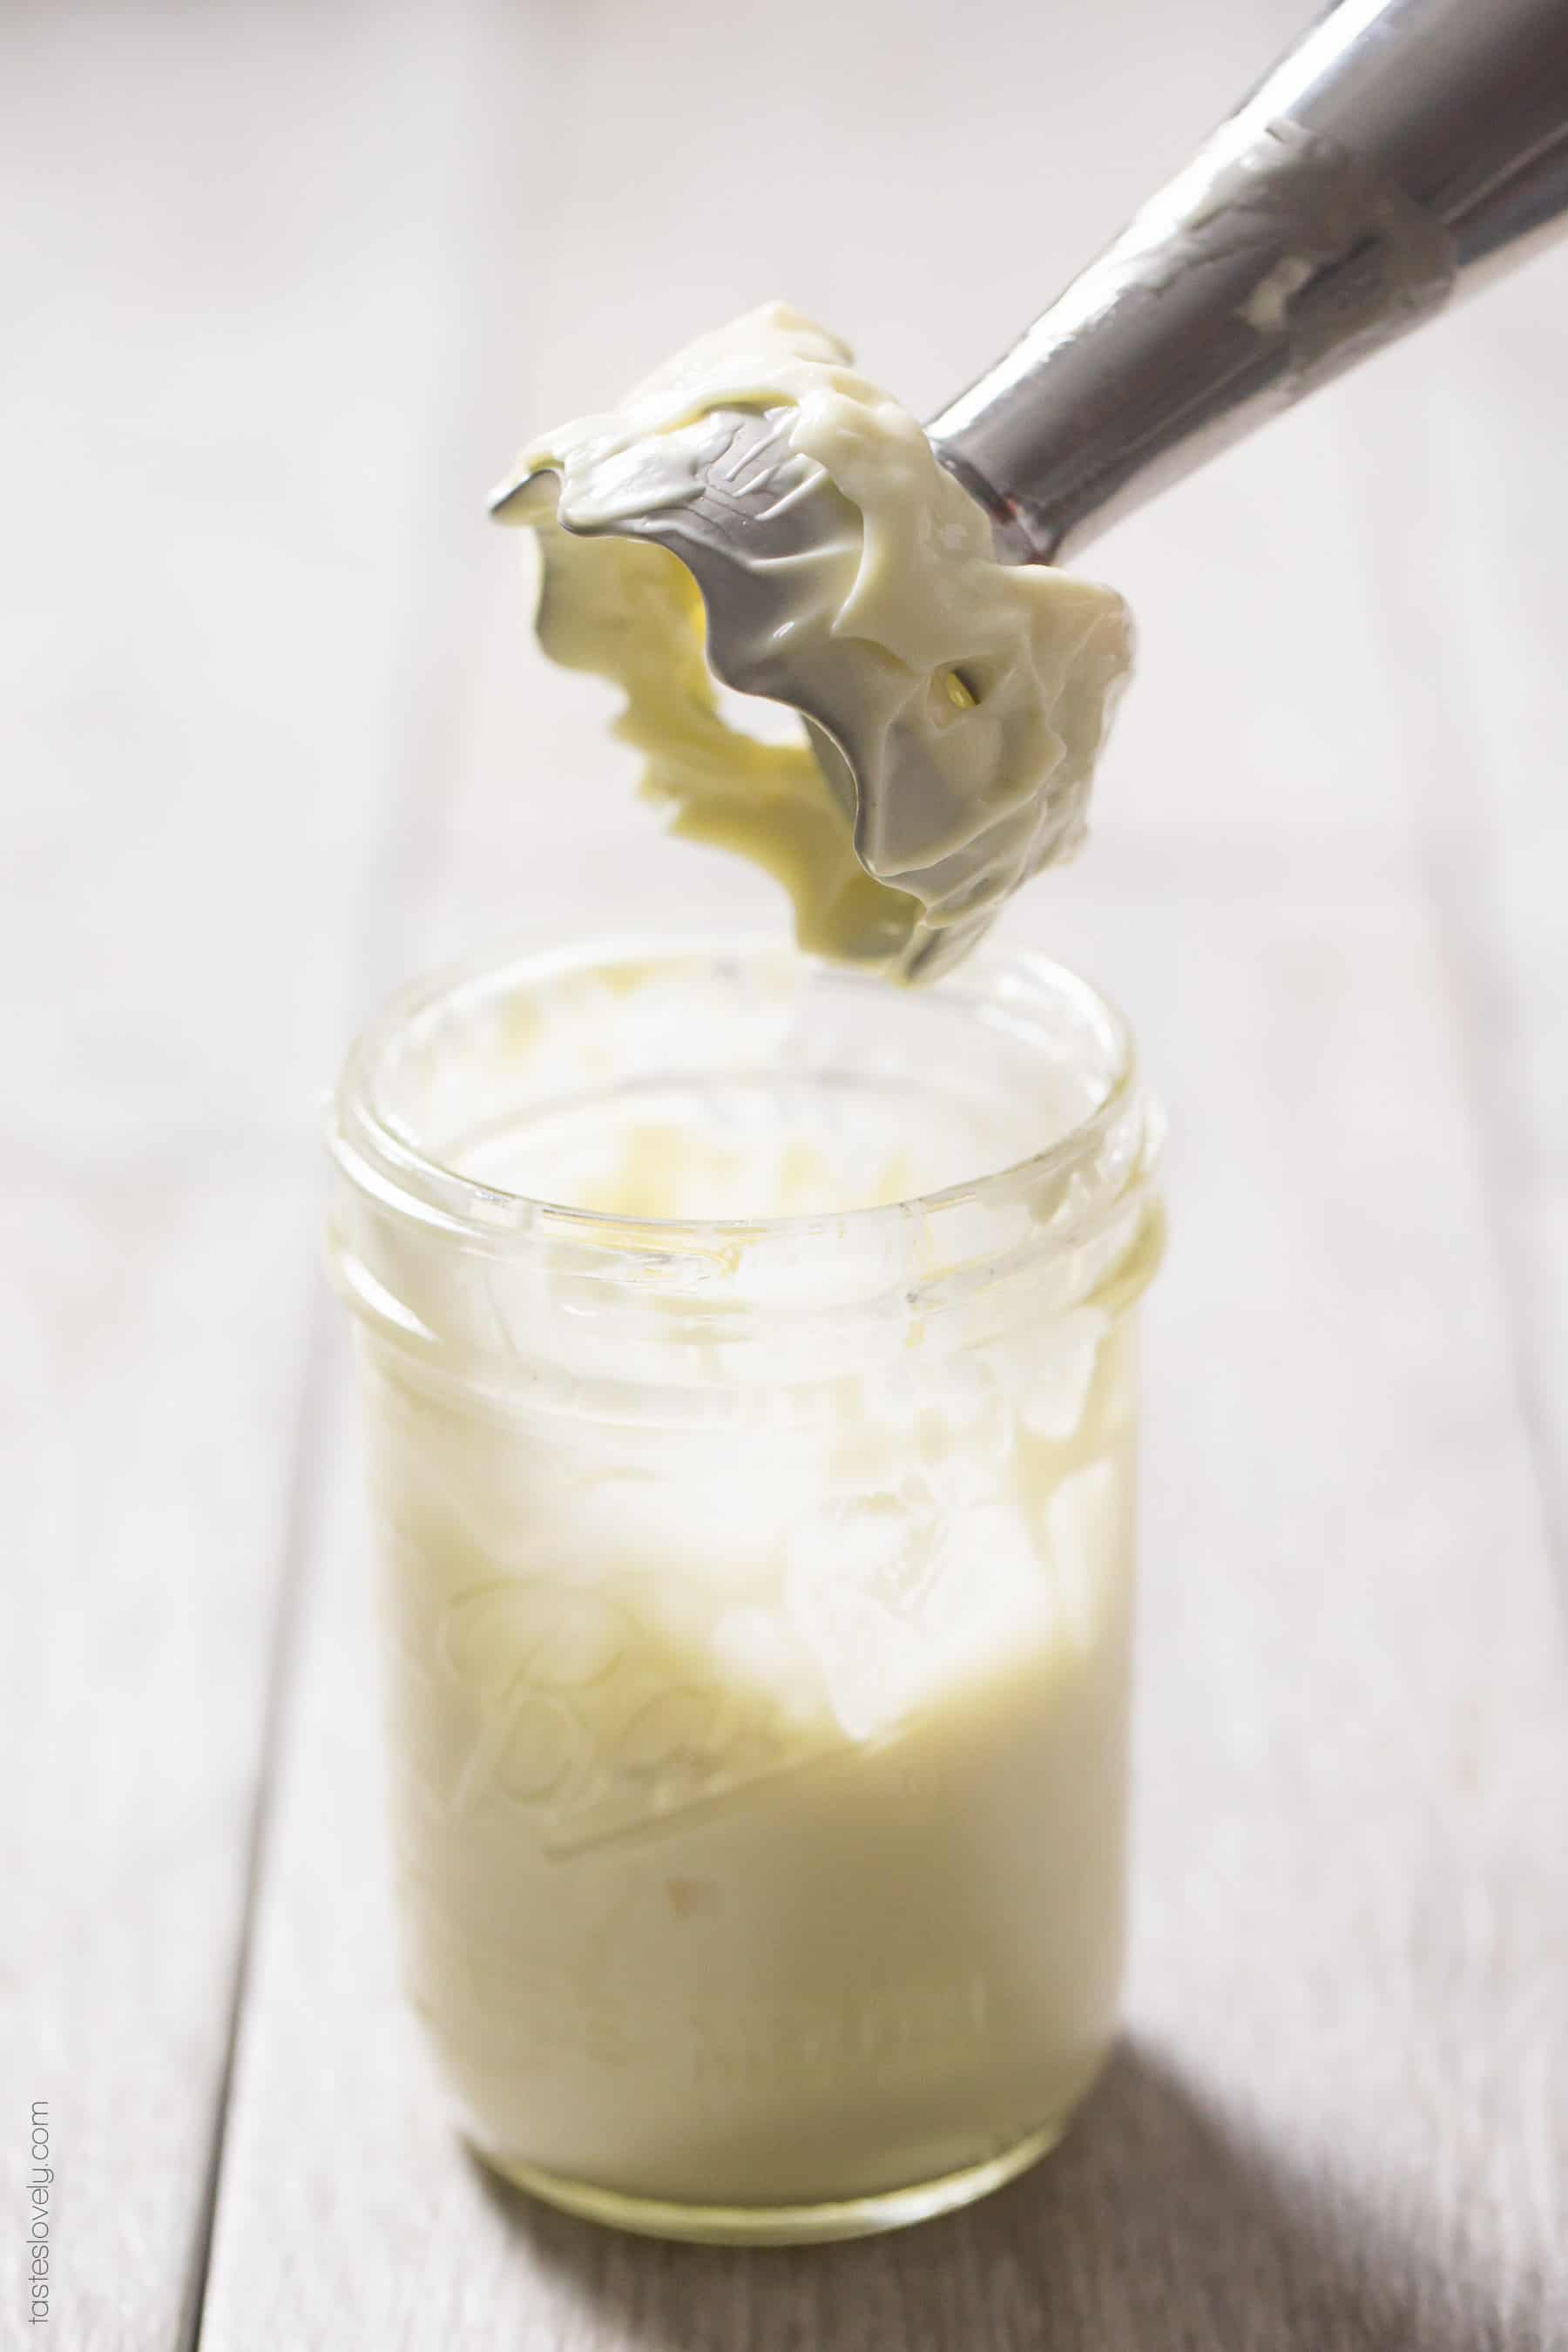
[
  {"x": 1337, "y": 2123},
  {"x": 1466, "y": 510},
  {"x": 223, "y": 417}
]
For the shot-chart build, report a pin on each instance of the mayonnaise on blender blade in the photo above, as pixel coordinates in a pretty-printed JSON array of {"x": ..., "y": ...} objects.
[{"x": 971, "y": 697}]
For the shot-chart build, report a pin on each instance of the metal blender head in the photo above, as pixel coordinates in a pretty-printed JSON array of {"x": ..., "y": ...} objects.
[
  {"x": 1400, "y": 149},
  {"x": 768, "y": 539}
]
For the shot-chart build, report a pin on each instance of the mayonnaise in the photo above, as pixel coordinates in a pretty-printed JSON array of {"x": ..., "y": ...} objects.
[
  {"x": 971, "y": 697},
  {"x": 760, "y": 1793}
]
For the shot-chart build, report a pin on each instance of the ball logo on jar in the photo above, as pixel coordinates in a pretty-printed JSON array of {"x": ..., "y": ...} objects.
[{"x": 583, "y": 1714}]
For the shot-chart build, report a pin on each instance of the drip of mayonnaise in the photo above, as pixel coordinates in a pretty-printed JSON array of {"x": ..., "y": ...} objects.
[{"x": 971, "y": 696}]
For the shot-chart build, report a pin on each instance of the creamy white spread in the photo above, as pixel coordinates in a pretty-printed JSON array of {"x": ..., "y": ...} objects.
[
  {"x": 759, "y": 1813},
  {"x": 969, "y": 697}
]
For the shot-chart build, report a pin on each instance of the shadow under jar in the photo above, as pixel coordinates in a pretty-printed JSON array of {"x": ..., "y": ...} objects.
[{"x": 748, "y": 1356}]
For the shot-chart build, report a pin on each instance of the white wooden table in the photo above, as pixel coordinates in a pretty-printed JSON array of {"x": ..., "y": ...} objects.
[{"x": 294, "y": 281}]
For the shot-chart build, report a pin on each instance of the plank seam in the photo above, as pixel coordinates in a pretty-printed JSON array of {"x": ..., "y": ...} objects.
[{"x": 299, "y": 1549}]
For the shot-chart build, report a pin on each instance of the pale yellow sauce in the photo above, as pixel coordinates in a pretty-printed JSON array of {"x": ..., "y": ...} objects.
[
  {"x": 977, "y": 694},
  {"x": 761, "y": 1809}
]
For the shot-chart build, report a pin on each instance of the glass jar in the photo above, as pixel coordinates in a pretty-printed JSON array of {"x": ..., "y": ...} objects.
[{"x": 748, "y": 1354}]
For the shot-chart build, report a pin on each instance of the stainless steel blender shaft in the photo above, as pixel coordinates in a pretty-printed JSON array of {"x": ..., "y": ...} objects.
[{"x": 1404, "y": 147}]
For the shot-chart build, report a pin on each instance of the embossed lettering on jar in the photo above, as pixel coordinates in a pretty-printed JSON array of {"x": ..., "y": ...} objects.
[{"x": 748, "y": 1351}]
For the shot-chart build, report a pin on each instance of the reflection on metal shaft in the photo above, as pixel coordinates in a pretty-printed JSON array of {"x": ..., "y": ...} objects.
[{"x": 1403, "y": 148}]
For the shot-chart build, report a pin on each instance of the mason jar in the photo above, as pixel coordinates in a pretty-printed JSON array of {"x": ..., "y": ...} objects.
[{"x": 748, "y": 1363}]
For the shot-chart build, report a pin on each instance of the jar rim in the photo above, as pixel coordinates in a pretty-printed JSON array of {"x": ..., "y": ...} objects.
[{"x": 381, "y": 1158}]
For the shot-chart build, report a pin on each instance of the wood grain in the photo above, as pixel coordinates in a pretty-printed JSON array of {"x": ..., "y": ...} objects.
[
  {"x": 1325, "y": 882},
  {"x": 230, "y": 237}
]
